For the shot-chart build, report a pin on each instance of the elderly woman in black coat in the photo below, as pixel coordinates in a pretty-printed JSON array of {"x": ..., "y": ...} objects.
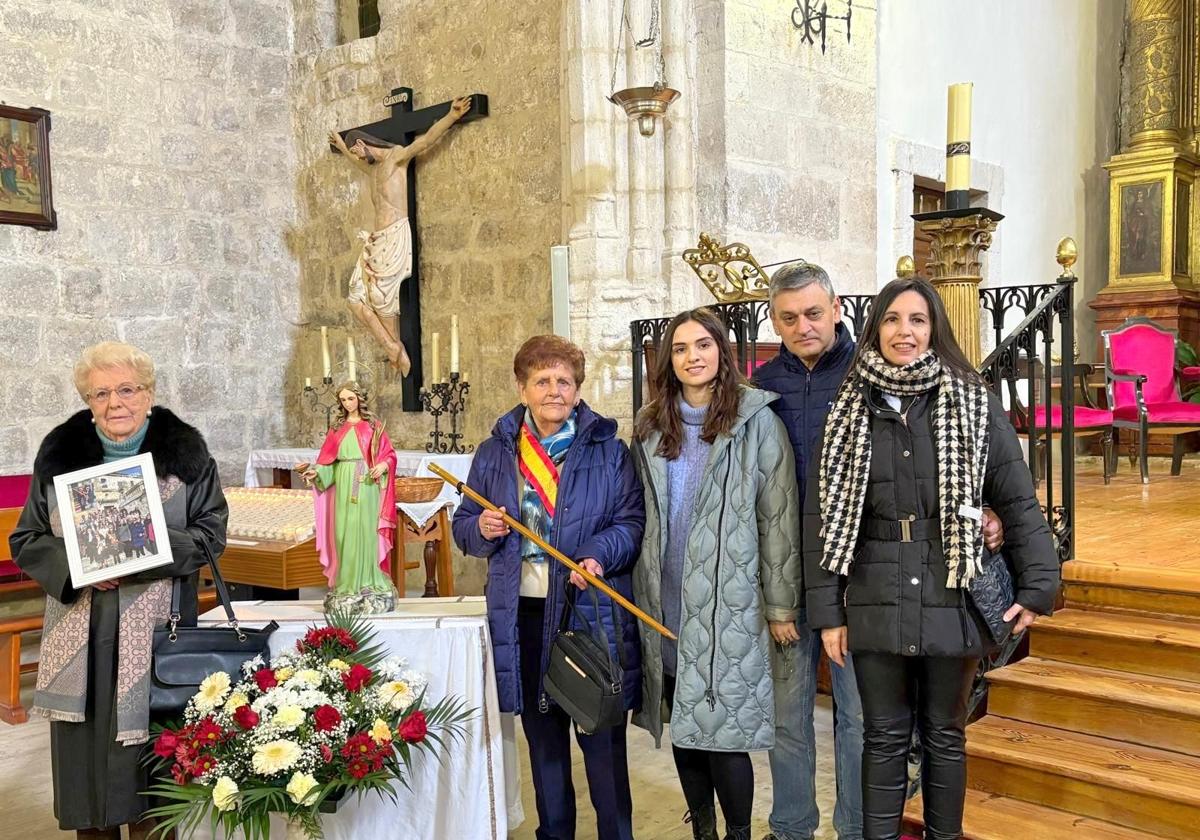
[
  {"x": 914, "y": 447},
  {"x": 93, "y": 678}
]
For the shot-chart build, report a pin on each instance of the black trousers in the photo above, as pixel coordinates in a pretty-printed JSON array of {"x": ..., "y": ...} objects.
[{"x": 934, "y": 691}]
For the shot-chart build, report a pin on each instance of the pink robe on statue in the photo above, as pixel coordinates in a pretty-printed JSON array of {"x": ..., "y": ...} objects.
[{"x": 324, "y": 499}]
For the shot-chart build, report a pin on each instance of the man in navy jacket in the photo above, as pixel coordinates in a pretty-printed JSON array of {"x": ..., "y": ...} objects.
[{"x": 816, "y": 351}]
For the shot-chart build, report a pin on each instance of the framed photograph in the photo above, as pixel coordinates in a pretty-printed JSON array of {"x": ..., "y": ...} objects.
[
  {"x": 25, "y": 197},
  {"x": 112, "y": 520}
]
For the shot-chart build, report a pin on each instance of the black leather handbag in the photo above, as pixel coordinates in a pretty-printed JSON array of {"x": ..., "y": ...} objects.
[
  {"x": 184, "y": 656},
  {"x": 582, "y": 677},
  {"x": 992, "y": 592}
]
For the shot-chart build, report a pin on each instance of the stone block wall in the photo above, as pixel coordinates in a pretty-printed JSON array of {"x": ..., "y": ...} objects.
[
  {"x": 798, "y": 152},
  {"x": 172, "y": 172},
  {"x": 488, "y": 196}
]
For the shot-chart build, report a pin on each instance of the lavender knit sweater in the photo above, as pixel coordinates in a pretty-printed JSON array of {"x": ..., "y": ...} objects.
[{"x": 683, "y": 482}]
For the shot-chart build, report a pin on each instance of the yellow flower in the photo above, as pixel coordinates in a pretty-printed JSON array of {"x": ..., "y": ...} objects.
[
  {"x": 288, "y": 718},
  {"x": 381, "y": 732},
  {"x": 236, "y": 701},
  {"x": 283, "y": 674},
  {"x": 212, "y": 691},
  {"x": 225, "y": 793},
  {"x": 308, "y": 676},
  {"x": 397, "y": 693},
  {"x": 338, "y": 665},
  {"x": 274, "y": 756},
  {"x": 302, "y": 788}
]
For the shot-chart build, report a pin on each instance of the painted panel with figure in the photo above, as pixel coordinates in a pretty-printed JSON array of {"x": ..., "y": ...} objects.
[
  {"x": 1141, "y": 228},
  {"x": 25, "y": 167}
]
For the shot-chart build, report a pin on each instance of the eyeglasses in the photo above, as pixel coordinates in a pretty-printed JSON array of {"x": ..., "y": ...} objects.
[{"x": 124, "y": 393}]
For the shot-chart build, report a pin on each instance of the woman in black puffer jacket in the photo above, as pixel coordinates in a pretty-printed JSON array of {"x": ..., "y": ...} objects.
[{"x": 914, "y": 447}]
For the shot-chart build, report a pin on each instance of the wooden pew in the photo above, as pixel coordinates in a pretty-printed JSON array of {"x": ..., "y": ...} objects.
[{"x": 12, "y": 627}]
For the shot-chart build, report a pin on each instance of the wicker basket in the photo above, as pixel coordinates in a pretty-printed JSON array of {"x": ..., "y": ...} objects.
[{"x": 411, "y": 490}]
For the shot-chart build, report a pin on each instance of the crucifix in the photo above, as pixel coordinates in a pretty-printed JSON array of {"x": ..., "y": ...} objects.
[{"x": 385, "y": 286}]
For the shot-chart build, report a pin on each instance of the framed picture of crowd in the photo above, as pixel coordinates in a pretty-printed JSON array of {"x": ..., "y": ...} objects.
[
  {"x": 25, "y": 197},
  {"x": 112, "y": 520}
]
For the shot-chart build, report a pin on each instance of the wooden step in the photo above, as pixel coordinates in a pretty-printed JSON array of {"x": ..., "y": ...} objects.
[
  {"x": 1151, "y": 591},
  {"x": 1120, "y": 642},
  {"x": 1154, "y": 711},
  {"x": 1141, "y": 787},
  {"x": 989, "y": 816}
]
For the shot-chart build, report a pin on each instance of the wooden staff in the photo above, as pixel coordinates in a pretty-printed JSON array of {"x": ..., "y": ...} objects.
[{"x": 599, "y": 583}]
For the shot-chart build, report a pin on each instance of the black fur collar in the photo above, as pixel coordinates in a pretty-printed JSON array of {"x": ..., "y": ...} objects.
[{"x": 178, "y": 448}]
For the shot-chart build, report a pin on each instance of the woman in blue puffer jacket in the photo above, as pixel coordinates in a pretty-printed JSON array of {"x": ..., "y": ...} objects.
[{"x": 559, "y": 467}]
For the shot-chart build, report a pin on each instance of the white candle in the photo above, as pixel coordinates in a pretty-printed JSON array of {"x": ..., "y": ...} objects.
[
  {"x": 435, "y": 369},
  {"x": 307, "y": 382},
  {"x": 325, "y": 352},
  {"x": 454, "y": 344},
  {"x": 350, "y": 356}
]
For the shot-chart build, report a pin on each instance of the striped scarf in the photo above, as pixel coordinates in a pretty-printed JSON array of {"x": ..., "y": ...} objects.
[
  {"x": 960, "y": 437},
  {"x": 539, "y": 459}
]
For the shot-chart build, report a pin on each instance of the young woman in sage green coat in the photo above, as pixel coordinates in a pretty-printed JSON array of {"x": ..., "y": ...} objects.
[{"x": 720, "y": 565}]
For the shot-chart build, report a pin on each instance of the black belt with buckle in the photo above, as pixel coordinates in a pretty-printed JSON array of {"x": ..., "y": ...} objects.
[{"x": 903, "y": 530}]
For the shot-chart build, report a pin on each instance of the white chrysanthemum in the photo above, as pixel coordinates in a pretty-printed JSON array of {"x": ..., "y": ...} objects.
[
  {"x": 306, "y": 677},
  {"x": 212, "y": 691},
  {"x": 288, "y": 718},
  {"x": 309, "y": 699},
  {"x": 390, "y": 668},
  {"x": 302, "y": 788},
  {"x": 274, "y": 756},
  {"x": 416, "y": 680},
  {"x": 396, "y": 693},
  {"x": 252, "y": 665},
  {"x": 225, "y": 793}
]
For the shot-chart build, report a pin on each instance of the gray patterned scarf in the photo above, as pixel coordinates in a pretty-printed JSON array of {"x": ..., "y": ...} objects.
[
  {"x": 960, "y": 437},
  {"x": 62, "y": 676}
]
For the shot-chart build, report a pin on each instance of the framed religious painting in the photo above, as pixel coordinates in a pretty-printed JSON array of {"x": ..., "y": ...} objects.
[
  {"x": 25, "y": 197},
  {"x": 112, "y": 520}
]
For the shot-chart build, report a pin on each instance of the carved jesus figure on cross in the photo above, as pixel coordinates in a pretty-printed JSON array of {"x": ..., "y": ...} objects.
[{"x": 386, "y": 258}]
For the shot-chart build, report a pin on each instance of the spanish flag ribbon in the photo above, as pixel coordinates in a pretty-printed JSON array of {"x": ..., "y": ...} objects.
[{"x": 537, "y": 468}]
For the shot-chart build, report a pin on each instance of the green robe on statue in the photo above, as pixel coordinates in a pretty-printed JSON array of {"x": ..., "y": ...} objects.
[{"x": 356, "y": 520}]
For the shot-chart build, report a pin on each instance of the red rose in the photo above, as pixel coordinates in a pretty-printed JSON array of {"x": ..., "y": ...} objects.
[
  {"x": 413, "y": 728},
  {"x": 165, "y": 746},
  {"x": 265, "y": 678},
  {"x": 326, "y": 718},
  {"x": 326, "y": 753},
  {"x": 179, "y": 774},
  {"x": 246, "y": 717},
  {"x": 356, "y": 677}
]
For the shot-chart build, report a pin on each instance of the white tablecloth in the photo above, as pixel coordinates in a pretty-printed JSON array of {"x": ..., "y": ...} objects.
[
  {"x": 461, "y": 791},
  {"x": 408, "y": 462}
]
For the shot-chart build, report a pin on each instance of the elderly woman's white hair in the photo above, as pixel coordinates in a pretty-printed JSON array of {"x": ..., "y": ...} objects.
[{"x": 113, "y": 354}]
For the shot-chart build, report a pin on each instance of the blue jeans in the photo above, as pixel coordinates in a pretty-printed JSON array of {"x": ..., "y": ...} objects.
[{"x": 794, "y": 813}]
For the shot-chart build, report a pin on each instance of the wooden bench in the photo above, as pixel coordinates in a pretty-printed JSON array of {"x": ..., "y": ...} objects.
[{"x": 12, "y": 582}]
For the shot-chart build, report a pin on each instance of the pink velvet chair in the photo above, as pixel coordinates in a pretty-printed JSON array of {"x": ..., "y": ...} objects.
[
  {"x": 1142, "y": 391},
  {"x": 1090, "y": 419}
]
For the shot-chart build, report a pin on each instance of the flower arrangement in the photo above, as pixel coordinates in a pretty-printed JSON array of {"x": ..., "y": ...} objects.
[{"x": 334, "y": 716}]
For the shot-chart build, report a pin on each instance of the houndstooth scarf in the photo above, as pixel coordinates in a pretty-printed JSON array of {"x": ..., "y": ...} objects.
[{"x": 960, "y": 436}]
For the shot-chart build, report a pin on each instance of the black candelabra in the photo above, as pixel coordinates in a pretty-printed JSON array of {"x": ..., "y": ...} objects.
[
  {"x": 446, "y": 398},
  {"x": 322, "y": 397}
]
